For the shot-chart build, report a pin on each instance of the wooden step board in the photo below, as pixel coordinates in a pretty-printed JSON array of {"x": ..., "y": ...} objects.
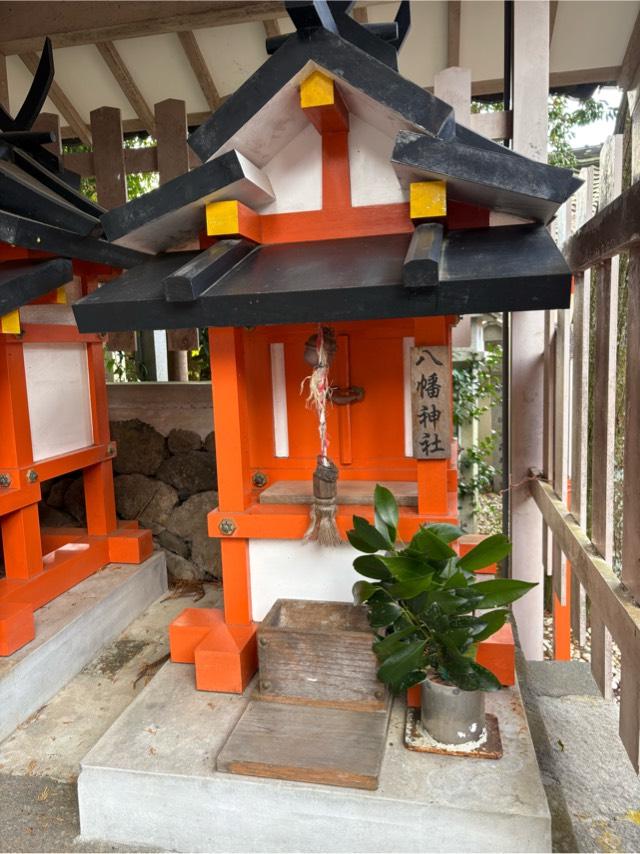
[
  {"x": 349, "y": 492},
  {"x": 307, "y": 743}
]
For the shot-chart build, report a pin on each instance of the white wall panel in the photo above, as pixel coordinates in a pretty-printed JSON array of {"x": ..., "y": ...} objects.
[
  {"x": 59, "y": 399},
  {"x": 373, "y": 178},
  {"x": 290, "y": 569}
]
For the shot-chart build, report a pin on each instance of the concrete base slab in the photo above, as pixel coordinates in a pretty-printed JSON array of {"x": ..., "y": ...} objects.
[
  {"x": 71, "y": 630},
  {"x": 162, "y": 751}
]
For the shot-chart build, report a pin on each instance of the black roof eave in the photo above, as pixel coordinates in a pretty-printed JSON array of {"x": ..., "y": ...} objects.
[{"x": 341, "y": 280}]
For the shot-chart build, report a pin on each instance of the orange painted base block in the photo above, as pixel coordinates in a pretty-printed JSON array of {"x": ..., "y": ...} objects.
[
  {"x": 225, "y": 657},
  {"x": 498, "y": 654},
  {"x": 17, "y": 627},
  {"x": 468, "y": 542},
  {"x": 70, "y": 557}
]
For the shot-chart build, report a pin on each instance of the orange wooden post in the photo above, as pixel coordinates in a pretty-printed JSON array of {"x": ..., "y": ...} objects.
[
  {"x": 562, "y": 613},
  {"x": 20, "y": 529},
  {"x": 225, "y": 653}
]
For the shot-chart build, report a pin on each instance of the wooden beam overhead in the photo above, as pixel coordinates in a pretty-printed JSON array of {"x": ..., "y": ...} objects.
[
  {"x": 200, "y": 68},
  {"x": 454, "y": 14},
  {"x": 361, "y": 15},
  {"x": 631, "y": 62},
  {"x": 125, "y": 81},
  {"x": 63, "y": 104},
  {"x": 553, "y": 11},
  {"x": 78, "y": 22},
  {"x": 272, "y": 28},
  {"x": 4, "y": 83}
]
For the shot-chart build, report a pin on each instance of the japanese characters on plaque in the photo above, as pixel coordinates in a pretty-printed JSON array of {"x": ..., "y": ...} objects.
[{"x": 431, "y": 402}]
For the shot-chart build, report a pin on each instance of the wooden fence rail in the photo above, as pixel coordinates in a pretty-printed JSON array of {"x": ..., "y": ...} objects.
[{"x": 586, "y": 590}]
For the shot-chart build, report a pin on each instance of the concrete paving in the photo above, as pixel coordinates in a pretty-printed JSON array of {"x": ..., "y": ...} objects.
[
  {"x": 71, "y": 630},
  {"x": 592, "y": 789},
  {"x": 162, "y": 751}
]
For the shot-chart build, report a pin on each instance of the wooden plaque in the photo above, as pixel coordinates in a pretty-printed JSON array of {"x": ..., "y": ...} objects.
[{"x": 431, "y": 402}]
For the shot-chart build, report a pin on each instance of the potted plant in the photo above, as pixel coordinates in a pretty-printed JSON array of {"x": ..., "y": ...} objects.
[{"x": 429, "y": 612}]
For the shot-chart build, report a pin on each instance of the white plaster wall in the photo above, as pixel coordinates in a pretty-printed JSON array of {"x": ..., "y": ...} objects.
[
  {"x": 59, "y": 400},
  {"x": 373, "y": 178},
  {"x": 290, "y": 569},
  {"x": 295, "y": 174}
]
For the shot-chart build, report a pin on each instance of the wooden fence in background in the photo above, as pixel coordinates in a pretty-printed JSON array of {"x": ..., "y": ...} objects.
[{"x": 575, "y": 493}]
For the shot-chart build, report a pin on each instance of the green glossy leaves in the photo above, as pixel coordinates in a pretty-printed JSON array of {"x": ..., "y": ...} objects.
[{"x": 423, "y": 599}]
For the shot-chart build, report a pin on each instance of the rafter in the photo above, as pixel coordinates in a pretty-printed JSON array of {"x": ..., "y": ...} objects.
[
  {"x": 200, "y": 68},
  {"x": 553, "y": 12},
  {"x": 631, "y": 62},
  {"x": 125, "y": 81},
  {"x": 272, "y": 28},
  {"x": 77, "y": 22},
  {"x": 454, "y": 13},
  {"x": 62, "y": 103},
  {"x": 4, "y": 83},
  {"x": 361, "y": 15}
]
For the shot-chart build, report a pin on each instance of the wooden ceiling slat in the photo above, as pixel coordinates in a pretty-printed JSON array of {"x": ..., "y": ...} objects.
[
  {"x": 454, "y": 13},
  {"x": 4, "y": 83},
  {"x": 200, "y": 68},
  {"x": 24, "y": 25},
  {"x": 361, "y": 15},
  {"x": 272, "y": 28},
  {"x": 125, "y": 81},
  {"x": 62, "y": 103},
  {"x": 631, "y": 62},
  {"x": 553, "y": 13}
]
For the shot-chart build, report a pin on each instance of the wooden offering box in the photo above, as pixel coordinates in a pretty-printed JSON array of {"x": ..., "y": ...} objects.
[
  {"x": 319, "y": 652},
  {"x": 320, "y": 716}
]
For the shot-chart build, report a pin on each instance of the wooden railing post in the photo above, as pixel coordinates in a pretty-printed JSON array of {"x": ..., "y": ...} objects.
[{"x": 173, "y": 160}]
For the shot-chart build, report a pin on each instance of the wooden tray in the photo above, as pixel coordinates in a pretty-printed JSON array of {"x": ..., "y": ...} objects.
[{"x": 310, "y": 744}]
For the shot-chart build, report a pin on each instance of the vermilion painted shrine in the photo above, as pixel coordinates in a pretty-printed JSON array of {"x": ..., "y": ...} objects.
[{"x": 333, "y": 191}]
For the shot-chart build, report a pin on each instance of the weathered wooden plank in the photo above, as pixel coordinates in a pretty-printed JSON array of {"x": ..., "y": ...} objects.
[
  {"x": 76, "y": 23},
  {"x": 631, "y": 512},
  {"x": 125, "y": 81},
  {"x": 548, "y": 398},
  {"x": 454, "y": 13},
  {"x": 617, "y": 608},
  {"x": 611, "y": 231},
  {"x": 181, "y": 341},
  {"x": 560, "y": 442},
  {"x": 629, "y": 727},
  {"x": 171, "y": 134},
  {"x": 631, "y": 61},
  {"x": 493, "y": 125},
  {"x": 601, "y": 659},
  {"x": 430, "y": 402},
  {"x": 349, "y": 492},
  {"x": 579, "y": 406},
  {"x": 319, "y": 652},
  {"x": 453, "y": 85},
  {"x": 4, "y": 83},
  {"x": 200, "y": 68},
  {"x": 272, "y": 27},
  {"x": 579, "y": 436},
  {"x": 335, "y": 747},
  {"x": 108, "y": 157}
]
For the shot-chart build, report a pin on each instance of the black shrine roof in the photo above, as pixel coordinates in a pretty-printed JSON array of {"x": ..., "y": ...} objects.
[
  {"x": 511, "y": 268},
  {"x": 23, "y": 281},
  {"x": 41, "y": 206}
]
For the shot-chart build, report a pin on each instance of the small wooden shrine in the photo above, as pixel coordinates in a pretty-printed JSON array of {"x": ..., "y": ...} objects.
[
  {"x": 53, "y": 403},
  {"x": 341, "y": 210}
]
